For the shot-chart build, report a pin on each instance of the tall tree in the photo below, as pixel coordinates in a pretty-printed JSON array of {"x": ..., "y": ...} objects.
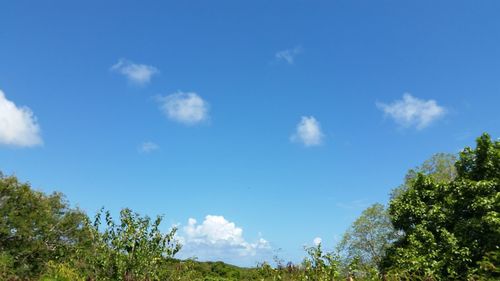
[
  {"x": 440, "y": 167},
  {"x": 366, "y": 240},
  {"x": 35, "y": 228},
  {"x": 451, "y": 229}
]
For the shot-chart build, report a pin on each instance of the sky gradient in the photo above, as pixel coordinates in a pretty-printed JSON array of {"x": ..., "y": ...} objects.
[{"x": 254, "y": 126}]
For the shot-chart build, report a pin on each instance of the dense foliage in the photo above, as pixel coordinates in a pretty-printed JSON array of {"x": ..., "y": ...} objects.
[
  {"x": 41, "y": 235},
  {"x": 35, "y": 228},
  {"x": 442, "y": 223},
  {"x": 451, "y": 229},
  {"x": 134, "y": 249}
]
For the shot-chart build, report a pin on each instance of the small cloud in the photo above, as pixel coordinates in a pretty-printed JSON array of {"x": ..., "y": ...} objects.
[
  {"x": 288, "y": 55},
  {"x": 18, "y": 125},
  {"x": 308, "y": 132},
  {"x": 136, "y": 73},
  {"x": 411, "y": 111},
  {"x": 147, "y": 147},
  {"x": 187, "y": 108},
  {"x": 317, "y": 241},
  {"x": 216, "y": 238}
]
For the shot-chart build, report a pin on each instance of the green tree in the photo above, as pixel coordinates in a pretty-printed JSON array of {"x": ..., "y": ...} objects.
[
  {"x": 320, "y": 265},
  {"x": 133, "y": 249},
  {"x": 440, "y": 167},
  {"x": 451, "y": 229},
  {"x": 365, "y": 242},
  {"x": 35, "y": 228}
]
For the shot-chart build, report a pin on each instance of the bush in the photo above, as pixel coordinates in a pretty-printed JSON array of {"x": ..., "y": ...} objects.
[{"x": 61, "y": 272}]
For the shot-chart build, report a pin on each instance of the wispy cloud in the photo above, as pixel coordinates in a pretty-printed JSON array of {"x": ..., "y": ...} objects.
[
  {"x": 136, "y": 73},
  {"x": 216, "y": 238},
  {"x": 288, "y": 55},
  {"x": 308, "y": 132},
  {"x": 187, "y": 108},
  {"x": 148, "y": 146},
  {"x": 18, "y": 125},
  {"x": 411, "y": 111}
]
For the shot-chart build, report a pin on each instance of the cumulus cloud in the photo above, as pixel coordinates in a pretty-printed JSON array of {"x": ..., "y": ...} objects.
[
  {"x": 18, "y": 125},
  {"x": 187, "y": 108},
  {"x": 219, "y": 239},
  {"x": 288, "y": 55},
  {"x": 411, "y": 111},
  {"x": 308, "y": 132},
  {"x": 135, "y": 73},
  {"x": 148, "y": 146},
  {"x": 317, "y": 241}
]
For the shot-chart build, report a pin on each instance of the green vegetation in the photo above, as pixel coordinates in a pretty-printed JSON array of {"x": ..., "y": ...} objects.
[
  {"x": 451, "y": 227},
  {"x": 35, "y": 229},
  {"x": 365, "y": 242},
  {"x": 442, "y": 223}
]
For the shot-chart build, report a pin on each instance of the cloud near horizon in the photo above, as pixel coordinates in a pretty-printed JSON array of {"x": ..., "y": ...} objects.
[
  {"x": 140, "y": 74},
  {"x": 18, "y": 125},
  {"x": 308, "y": 132},
  {"x": 412, "y": 111},
  {"x": 188, "y": 108},
  {"x": 216, "y": 238}
]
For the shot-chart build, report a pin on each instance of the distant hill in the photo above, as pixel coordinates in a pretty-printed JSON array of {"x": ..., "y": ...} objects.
[{"x": 209, "y": 270}]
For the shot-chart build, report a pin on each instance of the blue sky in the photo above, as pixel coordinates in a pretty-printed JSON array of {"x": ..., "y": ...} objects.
[{"x": 255, "y": 126}]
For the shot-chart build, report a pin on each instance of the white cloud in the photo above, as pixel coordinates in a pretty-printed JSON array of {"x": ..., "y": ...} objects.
[
  {"x": 219, "y": 239},
  {"x": 135, "y": 73},
  {"x": 187, "y": 108},
  {"x": 317, "y": 241},
  {"x": 288, "y": 55},
  {"x": 411, "y": 111},
  {"x": 308, "y": 132},
  {"x": 18, "y": 125},
  {"x": 148, "y": 147}
]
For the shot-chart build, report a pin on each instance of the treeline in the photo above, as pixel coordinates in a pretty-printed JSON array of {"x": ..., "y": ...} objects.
[{"x": 442, "y": 223}]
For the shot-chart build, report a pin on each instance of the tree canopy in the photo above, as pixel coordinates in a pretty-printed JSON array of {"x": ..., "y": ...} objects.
[
  {"x": 40, "y": 235},
  {"x": 35, "y": 228},
  {"x": 366, "y": 241},
  {"x": 364, "y": 244},
  {"x": 451, "y": 230}
]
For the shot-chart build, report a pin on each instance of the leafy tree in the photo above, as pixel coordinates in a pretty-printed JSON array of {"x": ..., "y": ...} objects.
[
  {"x": 320, "y": 265},
  {"x": 35, "y": 228},
  {"x": 451, "y": 229},
  {"x": 134, "y": 249},
  {"x": 440, "y": 167},
  {"x": 482, "y": 163},
  {"x": 365, "y": 242}
]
